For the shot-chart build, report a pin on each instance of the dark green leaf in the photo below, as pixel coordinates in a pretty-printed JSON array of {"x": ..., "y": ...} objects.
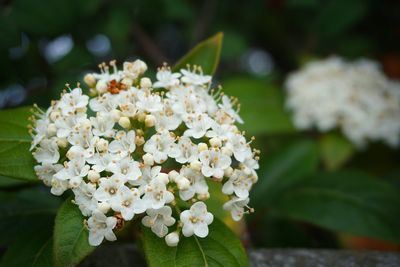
[
  {"x": 284, "y": 169},
  {"x": 350, "y": 201},
  {"x": 206, "y": 54},
  {"x": 25, "y": 209},
  {"x": 16, "y": 160},
  {"x": 33, "y": 249},
  {"x": 261, "y": 105},
  {"x": 220, "y": 248},
  {"x": 335, "y": 150},
  {"x": 338, "y": 16},
  {"x": 70, "y": 236},
  {"x": 6, "y": 182}
]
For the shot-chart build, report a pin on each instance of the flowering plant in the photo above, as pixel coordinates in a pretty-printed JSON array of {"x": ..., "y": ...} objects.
[{"x": 114, "y": 148}]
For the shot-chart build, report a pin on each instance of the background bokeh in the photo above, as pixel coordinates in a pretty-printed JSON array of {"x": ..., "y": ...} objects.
[{"x": 44, "y": 44}]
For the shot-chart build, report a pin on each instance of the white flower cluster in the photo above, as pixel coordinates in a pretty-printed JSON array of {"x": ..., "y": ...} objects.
[
  {"x": 353, "y": 96},
  {"x": 135, "y": 148}
]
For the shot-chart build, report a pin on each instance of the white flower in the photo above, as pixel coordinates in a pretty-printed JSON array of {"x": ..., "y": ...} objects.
[
  {"x": 354, "y": 96},
  {"x": 66, "y": 124},
  {"x": 127, "y": 169},
  {"x": 214, "y": 163},
  {"x": 194, "y": 78},
  {"x": 159, "y": 220},
  {"x": 74, "y": 171},
  {"x": 72, "y": 101},
  {"x": 104, "y": 103},
  {"x": 166, "y": 79},
  {"x": 148, "y": 102},
  {"x": 236, "y": 207},
  {"x": 161, "y": 145},
  {"x": 100, "y": 226},
  {"x": 145, "y": 146},
  {"x": 46, "y": 171},
  {"x": 198, "y": 125},
  {"x": 167, "y": 119},
  {"x": 188, "y": 151},
  {"x": 198, "y": 184},
  {"x": 103, "y": 125},
  {"x": 196, "y": 220},
  {"x": 226, "y": 106},
  {"x": 240, "y": 148},
  {"x": 84, "y": 198},
  {"x": 47, "y": 152},
  {"x": 129, "y": 203},
  {"x": 148, "y": 174},
  {"x": 108, "y": 190},
  {"x": 239, "y": 182},
  {"x": 157, "y": 195},
  {"x": 123, "y": 145},
  {"x": 58, "y": 187}
]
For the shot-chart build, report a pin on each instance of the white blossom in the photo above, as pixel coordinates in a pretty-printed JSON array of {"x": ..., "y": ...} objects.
[
  {"x": 159, "y": 220},
  {"x": 355, "y": 97},
  {"x": 136, "y": 145},
  {"x": 196, "y": 220},
  {"x": 100, "y": 226}
]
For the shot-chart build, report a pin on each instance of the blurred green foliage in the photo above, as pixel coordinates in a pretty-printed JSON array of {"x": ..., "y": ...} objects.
[{"x": 305, "y": 193}]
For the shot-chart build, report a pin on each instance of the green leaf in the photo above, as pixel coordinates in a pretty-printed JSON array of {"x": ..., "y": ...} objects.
[
  {"x": 335, "y": 150},
  {"x": 70, "y": 236},
  {"x": 23, "y": 210},
  {"x": 262, "y": 107},
  {"x": 206, "y": 54},
  {"x": 33, "y": 249},
  {"x": 338, "y": 16},
  {"x": 284, "y": 169},
  {"x": 6, "y": 182},
  {"x": 16, "y": 160},
  {"x": 347, "y": 201},
  {"x": 220, "y": 248}
]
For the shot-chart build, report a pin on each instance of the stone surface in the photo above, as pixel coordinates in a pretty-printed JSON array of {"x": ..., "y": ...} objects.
[
  {"x": 128, "y": 255},
  {"x": 322, "y": 258}
]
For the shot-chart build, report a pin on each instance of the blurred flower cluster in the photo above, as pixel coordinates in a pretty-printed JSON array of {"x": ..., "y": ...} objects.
[
  {"x": 353, "y": 96},
  {"x": 136, "y": 147}
]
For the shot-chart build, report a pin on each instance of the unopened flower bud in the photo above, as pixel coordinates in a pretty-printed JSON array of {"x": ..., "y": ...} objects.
[
  {"x": 172, "y": 239},
  {"x": 141, "y": 116},
  {"x": 103, "y": 207},
  {"x": 124, "y": 122},
  {"x": 139, "y": 140},
  {"x": 54, "y": 115},
  {"x": 89, "y": 80},
  {"x": 163, "y": 177},
  {"x": 149, "y": 121},
  {"x": 148, "y": 159},
  {"x": 183, "y": 183},
  {"x": 51, "y": 129},
  {"x": 93, "y": 176},
  {"x": 195, "y": 165},
  {"x": 101, "y": 86},
  {"x": 62, "y": 142},
  {"x": 204, "y": 196},
  {"x": 145, "y": 83},
  {"x": 139, "y": 66},
  {"x": 127, "y": 82},
  {"x": 228, "y": 172},
  {"x": 215, "y": 142},
  {"x": 102, "y": 145},
  {"x": 173, "y": 175},
  {"x": 202, "y": 146},
  {"x": 115, "y": 115}
]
